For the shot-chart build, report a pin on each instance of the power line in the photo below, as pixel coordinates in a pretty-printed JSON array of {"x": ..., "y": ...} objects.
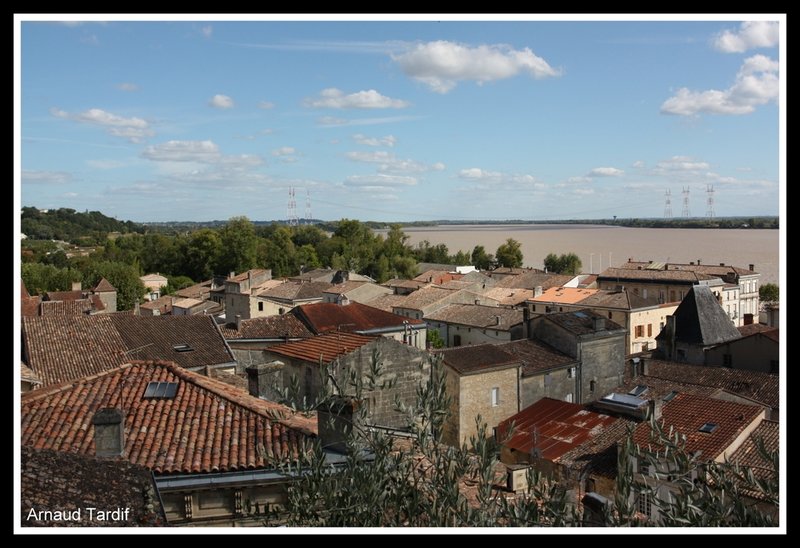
[
  {"x": 668, "y": 204},
  {"x": 685, "y": 211}
]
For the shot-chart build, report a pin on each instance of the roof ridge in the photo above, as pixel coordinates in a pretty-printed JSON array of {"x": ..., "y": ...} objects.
[{"x": 39, "y": 393}]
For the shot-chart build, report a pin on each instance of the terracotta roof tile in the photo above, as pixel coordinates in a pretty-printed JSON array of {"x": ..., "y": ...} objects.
[
  {"x": 686, "y": 413},
  {"x": 354, "y": 317},
  {"x": 615, "y": 274},
  {"x": 748, "y": 454},
  {"x": 474, "y": 315},
  {"x": 103, "y": 286},
  {"x": 270, "y": 327},
  {"x": 207, "y": 427},
  {"x": 426, "y": 296},
  {"x": 64, "y": 295},
  {"x": 296, "y": 291},
  {"x": 531, "y": 280},
  {"x": 387, "y": 302},
  {"x": 564, "y": 295},
  {"x": 710, "y": 269},
  {"x": 508, "y": 296},
  {"x": 470, "y": 360},
  {"x": 325, "y": 347},
  {"x": 30, "y": 306},
  {"x": 753, "y": 328},
  {"x": 197, "y": 291},
  {"x": 536, "y": 356}
]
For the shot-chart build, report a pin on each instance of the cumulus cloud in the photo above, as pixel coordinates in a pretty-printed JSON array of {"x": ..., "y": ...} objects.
[
  {"x": 133, "y": 129},
  {"x": 497, "y": 180},
  {"x": 369, "y": 99},
  {"x": 682, "y": 163},
  {"x": 283, "y": 151},
  {"x": 441, "y": 65},
  {"x": 221, "y": 101},
  {"x": 45, "y": 177},
  {"x": 605, "y": 172},
  {"x": 207, "y": 31},
  {"x": 371, "y": 157},
  {"x": 751, "y": 34},
  {"x": 579, "y": 180},
  {"x": 756, "y": 84},
  {"x": 389, "y": 163},
  {"x": 127, "y": 86},
  {"x": 266, "y": 105},
  {"x": 379, "y": 181},
  {"x": 638, "y": 164},
  {"x": 183, "y": 151},
  {"x": 387, "y": 141}
]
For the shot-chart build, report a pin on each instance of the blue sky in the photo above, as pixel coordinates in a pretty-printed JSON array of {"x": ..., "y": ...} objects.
[{"x": 421, "y": 120}]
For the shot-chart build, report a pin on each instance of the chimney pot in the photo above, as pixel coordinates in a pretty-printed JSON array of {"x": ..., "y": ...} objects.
[
  {"x": 752, "y": 267},
  {"x": 109, "y": 432},
  {"x": 238, "y": 320},
  {"x": 232, "y": 274},
  {"x": 537, "y": 291}
]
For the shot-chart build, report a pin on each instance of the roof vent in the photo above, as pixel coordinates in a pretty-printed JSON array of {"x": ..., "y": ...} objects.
[{"x": 708, "y": 427}]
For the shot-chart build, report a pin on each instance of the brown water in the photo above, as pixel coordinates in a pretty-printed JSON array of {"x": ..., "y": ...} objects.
[{"x": 613, "y": 245}]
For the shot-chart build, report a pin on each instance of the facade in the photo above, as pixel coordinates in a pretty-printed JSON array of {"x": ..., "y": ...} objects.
[
  {"x": 545, "y": 371},
  {"x": 759, "y": 351},
  {"x": 239, "y": 288},
  {"x": 107, "y": 294},
  {"x": 471, "y": 324},
  {"x": 154, "y": 283},
  {"x": 597, "y": 343},
  {"x": 312, "y": 368},
  {"x": 354, "y": 292},
  {"x": 480, "y": 380},
  {"x": 284, "y": 297}
]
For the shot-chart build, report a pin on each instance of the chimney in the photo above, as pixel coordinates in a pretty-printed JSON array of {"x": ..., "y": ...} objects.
[
  {"x": 335, "y": 421},
  {"x": 698, "y": 262},
  {"x": 537, "y": 291},
  {"x": 598, "y": 323},
  {"x": 138, "y": 311},
  {"x": 262, "y": 380},
  {"x": 232, "y": 274},
  {"x": 619, "y": 288},
  {"x": 109, "y": 432},
  {"x": 654, "y": 408},
  {"x": 635, "y": 367},
  {"x": 76, "y": 286},
  {"x": 238, "y": 320},
  {"x": 723, "y": 264},
  {"x": 752, "y": 267},
  {"x": 691, "y": 263},
  {"x": 343, "y": 300},
  {"x": 748, "y": 319}
]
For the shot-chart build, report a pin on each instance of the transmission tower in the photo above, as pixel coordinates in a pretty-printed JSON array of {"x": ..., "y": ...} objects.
[
  {"x": 710, "y": 202},
  {"x": 308, "y": 206},
  {"x": 668, "y": 204},
  {"x": 291, "y": 210},
  {"x": 685, "y": 212}
]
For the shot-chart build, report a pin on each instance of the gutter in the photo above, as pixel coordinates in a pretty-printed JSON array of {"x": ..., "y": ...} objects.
[{"x": 393, "y": 329}]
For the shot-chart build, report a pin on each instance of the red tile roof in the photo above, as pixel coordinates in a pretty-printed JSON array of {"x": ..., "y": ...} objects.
[
  {"x": 30, "y": 306},
  {"x": 686, "y": 413},
  {"x": 748, "y": 454},
  {"x": 103, "y": 285},
  {"x": 355, "y": 317},
  {"x": 207, "y": 427},
  {"x": 270, "y": 327},
  {"x": 64, "y": 295},
  {"x": 326, "y": 347},
  {"x": 471, "y": 360},
  {"x": 552, "y": 428},
  {"x": 753, "y": 328}
]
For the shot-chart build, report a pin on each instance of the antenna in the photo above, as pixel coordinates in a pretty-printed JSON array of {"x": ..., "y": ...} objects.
[
  {"x": 291, "y": 209},
  {"x": 685, "y": 212},
  {"x": 710, "y": 202},
  {"x": 668, "y": 204},
  {"x": 308, "y": 207}
]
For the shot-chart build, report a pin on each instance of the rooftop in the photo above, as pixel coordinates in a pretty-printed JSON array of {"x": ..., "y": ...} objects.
[
  {"x": 252, "y": 273},
  {"x": 624, "y": 300},
  {"x": 753, "y": 328},
  {"x": 257, "y": 433},
  {"x": 187, "y": 303},
  {"x": 103, "y": 286},
  {"x": 354, "y": 317},
  {"x": 153, "y": 278},
  {"x": 68, "y": 481},
  {"x": 424, "y": 297},
  {"x": 508, "y": 296},
  {"x": 686, "y": 414},
  {"x": 470, "y": 360},
  {"x": 550, "y": 428},
  {"x": 564, "y": 295},
  {"x": 344, "y": 287},
  {"x": 387, "y": 302},
  {"x": 536, "y": 356},
  {"x": 325, "y": 348},
  {"x": 533, "y": 279},
  {"x": 581, "y": 322},
  {"x": 715, "y": 270},
  {"x": 748, "y": 455},
  {"x": 700, "y": 320},
  {"x": 296, "y": 291},
  {"x": 675, "y": 276},
  {"x": 475, "y": 315},
  {"x": 269, "y": 327},
  {"x": 196, "y": 291}
]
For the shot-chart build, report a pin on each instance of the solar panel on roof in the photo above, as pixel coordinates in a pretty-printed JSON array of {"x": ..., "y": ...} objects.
[{"x": 161, "y": 390}]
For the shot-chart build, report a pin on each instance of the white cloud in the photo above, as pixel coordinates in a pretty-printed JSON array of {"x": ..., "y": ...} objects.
[
  {"x": 105, "y": 164},
  {"x": 283, "y": 151},
  {"x": 579, "y": 180},
  {"x": 682, "y": 163},
  {"x": 183, "y": 151},
  {"x": 221, "y": 101},
  {"x": 45, "y": 177},
  {"x": 751, "y": 34},
  {"x": 387, "y": 141},
  {"x": 332, "y": 121},
  {"x": 497, "y": 180},
  {"x": 756, "y": 84},
  {"x": 389, "y": 163},
  {"x": 441, "y": 65},
  {"x": 605, "y": 172},
  {"x": 638, "y": 164},
  {"x": 265, "y": 105},
  {"x": 127, "y": 86},
  {"x": 379, "y": 181},
  {"x": 133, "y": 129},
  {"x": 371, "y": 157},
  {"x": 207, "y": 31},
  {"x": 369, "y": 99},
  {"x": 478, "y": 174}
]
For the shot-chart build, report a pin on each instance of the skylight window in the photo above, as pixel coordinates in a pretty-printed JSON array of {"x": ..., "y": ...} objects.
[
  {"x": 708, "y": 427},
  {"x": 638, "y": 390},
  {"x": 669, "y": 396},
  {"x": 182, "y": 348},
  {"x": 161, "y": 390}
]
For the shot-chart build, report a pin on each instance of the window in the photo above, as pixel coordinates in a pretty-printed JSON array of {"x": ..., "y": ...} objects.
[
  {"x": 182, "y": 348},
  {"x": 609, "y": 316},
  {"x": 773, "y": 367},
  {"x": 681, "y": 295},
  {"x": 495, "y": 397},
  {"x": 639, "y": 331},
  {"x": 592, "y": 385},
  {"x": 661, "y": 326},
  {"x": 456, "y": 340},
  {"x": 644, "y": 503},
  {"x": 568, "y": 398},
  {"x": 672, "y": 296},
  {"x": 281, "y": 311},
  {"x": 644, "y": 293},
  {"x": 261, "y": 307},
  {"x": 661, "y": 295},
  {"x": 571, "y": 373},
  {"x": 727, "y": 360},
  {"x": 708, "y": 427}
]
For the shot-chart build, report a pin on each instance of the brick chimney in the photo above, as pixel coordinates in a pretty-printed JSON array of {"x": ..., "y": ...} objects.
[{"x": 109, "y": 432}]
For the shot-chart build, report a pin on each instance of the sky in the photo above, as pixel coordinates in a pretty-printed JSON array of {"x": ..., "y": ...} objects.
[{"x": 399, "y": 121}]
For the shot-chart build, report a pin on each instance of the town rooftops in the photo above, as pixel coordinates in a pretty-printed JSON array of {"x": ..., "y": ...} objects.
[
  {"x": 621, "y": 300},
  {"x": 28, "y": 375},
  {"x": 290, "y": 292},
  {"x": 438, "y": 277},
  {"x": 326, "y": 347},
  {"x": 65, "y": 295},
  {"x": 68, "y": 482},
  {"x": 715, "y": 270},
  {"x": 104, "y": 286},
  {"x": 748, "y": 454},
  {"x": 405, "y": 284},
  {"x": 252, "y": 273},
  {"x": 344, "y": 287},
  {"x": 564, "y": 295},
  {"x": 152, "y": 278},
  {"x": 710, "y": 425},
  {"x": 583, "y": 322},
  {"x": 645, "y": 275},
  {"x": 355, "y": 317},
  {"x": 387, "y": 302},
  {"x": 207, "y": 426},
  {"x": 536, "y": 356},
  {"x": 533, "y": 279},
  {"x": 475, "y": 315},
  {"x": 471, "y": 360},
  {"x": 755, "y": 328},
  {"x": 508, "y": 296},
  {"x": 269, "y": 327},
  {"x": 424, "y": 297},
  {"x": 187, "y": 303},
  {"x": 550, "y": 428},
  {"x": 197, "y": 291},
  {"x": 700, "y": 320}
]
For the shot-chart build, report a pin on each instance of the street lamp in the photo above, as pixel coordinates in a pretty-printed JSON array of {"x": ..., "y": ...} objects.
[{"x": 591, "y": 263}]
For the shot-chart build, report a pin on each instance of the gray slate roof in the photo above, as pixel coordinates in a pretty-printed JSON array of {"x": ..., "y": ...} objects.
[{"x": 700, "y": 320}]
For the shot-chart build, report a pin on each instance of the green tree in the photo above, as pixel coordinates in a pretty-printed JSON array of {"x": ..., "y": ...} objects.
[
  {"x": 480, "y": 259},
  {"x": 124, "y": 278},
  {"x": 434, "y": 339},
  {"x": 239, "y": 245},
  {"x": 461, "y": 258},
  {"x": 175, "y": 283},
  {"x": 568, "y": 263},
  {"x": 769, "y": 293},
  {"x": 509, "y": 254},
  {"x": 40, "y": 278},
  {"x": 199, "y": 254}
]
